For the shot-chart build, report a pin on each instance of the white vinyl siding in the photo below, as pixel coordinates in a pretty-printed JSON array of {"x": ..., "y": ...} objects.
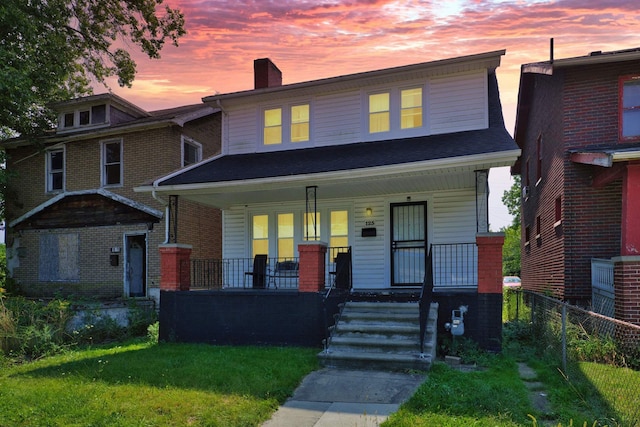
[
  {"x": 337, "y": 119},
  {"x": 450, "y": 104},
  {"x": 243, "y": 130},
  {"x": 450, "y": 219},
  {"x": 458, "y": 103}
]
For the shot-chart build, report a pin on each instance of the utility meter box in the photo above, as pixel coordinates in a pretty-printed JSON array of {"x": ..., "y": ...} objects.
[{"x": 457, "y": 322}]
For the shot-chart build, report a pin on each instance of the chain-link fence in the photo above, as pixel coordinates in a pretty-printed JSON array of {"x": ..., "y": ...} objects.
[{"x": 592, "y": 350}]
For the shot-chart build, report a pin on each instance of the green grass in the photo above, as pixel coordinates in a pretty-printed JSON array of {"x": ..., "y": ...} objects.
[
  {"x": 492, "y": 397},
  {"x": 140, "y": 384}
]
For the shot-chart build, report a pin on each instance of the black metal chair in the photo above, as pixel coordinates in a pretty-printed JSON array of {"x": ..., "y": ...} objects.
[
  {"x": 259, "y": 272},
  {"x": 343, "y": 270}
]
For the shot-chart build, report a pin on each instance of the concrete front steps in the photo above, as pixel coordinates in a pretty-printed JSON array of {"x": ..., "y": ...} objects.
[{"x": 380, "y": 335}]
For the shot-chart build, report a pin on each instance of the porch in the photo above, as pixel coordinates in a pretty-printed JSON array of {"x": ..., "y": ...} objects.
[
  {"x": 212, "y": 300},
  {"x": 454, "y": 267}
]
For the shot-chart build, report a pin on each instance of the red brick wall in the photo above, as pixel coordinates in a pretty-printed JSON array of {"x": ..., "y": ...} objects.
[
  {"x": 627, "y": 289},
  {"x": 571, "y": 109}
]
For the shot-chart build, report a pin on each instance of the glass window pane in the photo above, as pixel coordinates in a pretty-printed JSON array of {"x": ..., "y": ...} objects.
[
  {"x": 338, "y": 242},
  {"x": 68, "y": 120},
  {"x": 191, "y": 154},
  {"x": 312, "y": 226},
  {"x": 260, "y": 247},
  {"x": 285, "y": 225},
  {"x": 112, "y": 174},
  {"x": 285, "y": 248},
  {"x": 378, "y": 122},
  {"x": 57, "y": 160},
  {"x": 98, "y": 114},
  {"x": 273, "y": 126},
  {"x": 631, "y": 108},
  {"x": 411, "y": 108},
  {"x": 112, "y": 152},
  {"x": 84, "y": 117},
  {"x": 300, "y": 113},
  {"x": 299, "y": 132},
  {"x": 339, "y": 223},
  {"x": 260, "y": 226},
  {"x": 378, "y": 102}
]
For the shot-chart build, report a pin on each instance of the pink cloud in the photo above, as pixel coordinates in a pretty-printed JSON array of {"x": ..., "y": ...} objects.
[{"x": 311, "y": 40}]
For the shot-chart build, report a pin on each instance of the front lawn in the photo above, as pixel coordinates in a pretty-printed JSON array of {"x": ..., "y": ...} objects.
[{"x": 141, "y": 384}]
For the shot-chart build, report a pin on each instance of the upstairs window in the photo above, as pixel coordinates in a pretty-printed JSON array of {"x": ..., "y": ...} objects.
[
  {"x": 300, "y": 123},
  {"x": 411, "y": 108},
  {"x": 379, "y": 113},
  {"x": 630, "y": 107},
  {"x": 55, "y": 170},
  {"x": 273, "y": 126},
  {"x": 191, "y": 151},
  {"x": 94, "y": 115},
  {"x": 112, "y": 163}
]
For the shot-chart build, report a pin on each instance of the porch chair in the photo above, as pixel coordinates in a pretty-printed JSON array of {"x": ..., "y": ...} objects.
[
  {"x": 258, "y": 273},
  {"x": 285, "y": 270},
  {"x": 342, "y": 279}
]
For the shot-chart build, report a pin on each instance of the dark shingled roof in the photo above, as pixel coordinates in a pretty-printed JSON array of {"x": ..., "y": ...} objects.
[{"x": 356, "y": 155}]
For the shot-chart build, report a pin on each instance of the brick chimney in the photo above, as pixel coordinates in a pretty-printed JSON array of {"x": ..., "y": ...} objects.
[{"x": 266, "y": 74}]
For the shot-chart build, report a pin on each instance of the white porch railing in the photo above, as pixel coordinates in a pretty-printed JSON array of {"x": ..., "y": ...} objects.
[{"x": 602, "y": 289}]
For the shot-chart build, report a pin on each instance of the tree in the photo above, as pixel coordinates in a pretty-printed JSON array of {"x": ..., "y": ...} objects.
[
  {"x": 50, "y": 50},
  {"x": 511, "y": 199},
  {"x": 511, "y": 249}
]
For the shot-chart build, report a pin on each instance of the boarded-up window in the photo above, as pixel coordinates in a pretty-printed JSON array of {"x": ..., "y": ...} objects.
[{"x": 59, "y": 260}]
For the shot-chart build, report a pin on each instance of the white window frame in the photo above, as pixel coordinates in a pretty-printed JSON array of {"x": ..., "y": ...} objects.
[
  {"x": 635, "y": 80},
  {"x": 298, "y": 224},
  {"x": 103, "y": 162},
  {"x": 76, "y": 117},
  {"x": 49, "y": 172},
  {"x": 286, "y": 142},
  {"x": 185, "y": 140},
  {"x": 395, "y": 106}
]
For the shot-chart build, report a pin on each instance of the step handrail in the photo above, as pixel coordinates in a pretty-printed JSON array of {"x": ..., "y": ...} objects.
[{"x": 425, "y": 298}]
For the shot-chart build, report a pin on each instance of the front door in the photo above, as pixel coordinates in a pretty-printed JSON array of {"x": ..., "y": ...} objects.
[
  {"x": 408, "y": 243},
  {"x": 136, "y": 265}
]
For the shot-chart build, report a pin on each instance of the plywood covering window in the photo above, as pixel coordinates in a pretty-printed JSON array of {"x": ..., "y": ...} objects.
[{"x": 59, "y": 259}]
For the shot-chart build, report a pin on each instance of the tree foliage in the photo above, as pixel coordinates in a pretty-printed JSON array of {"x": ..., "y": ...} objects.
[
  {"x": 51, "y": 50},
  {"x": 511, "y": 249},
  {"x": 512, "y": 198}
]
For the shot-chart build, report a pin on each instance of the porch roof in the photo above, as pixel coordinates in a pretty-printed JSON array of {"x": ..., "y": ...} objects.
[{"x": 405, "y": 161}]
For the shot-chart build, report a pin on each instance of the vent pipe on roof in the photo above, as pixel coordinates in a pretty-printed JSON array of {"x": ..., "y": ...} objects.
[
  {"x": 551, "y": 50},
  {"x": 266, "y": 74}
]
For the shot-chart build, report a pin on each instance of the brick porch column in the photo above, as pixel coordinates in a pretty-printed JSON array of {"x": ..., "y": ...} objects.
[
  {"x": 312, "y": 266},
  {"x": 175, "y": 268},
  {"x": 490, "y": 262},
  {"x": 626, "y": 282},
  {"x": 489, "y": 316}
]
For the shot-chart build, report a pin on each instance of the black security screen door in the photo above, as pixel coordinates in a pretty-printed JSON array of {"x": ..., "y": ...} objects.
[{"x": 408, "y": 243}]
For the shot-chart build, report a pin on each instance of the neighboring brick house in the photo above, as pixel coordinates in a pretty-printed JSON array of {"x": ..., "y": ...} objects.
[
  {"x": 75, "y": 225},
  {"x": 578, "y": 125}
]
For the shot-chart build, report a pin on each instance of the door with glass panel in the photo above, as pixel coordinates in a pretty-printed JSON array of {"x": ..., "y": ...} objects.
[{"x": 408, "y": 243}]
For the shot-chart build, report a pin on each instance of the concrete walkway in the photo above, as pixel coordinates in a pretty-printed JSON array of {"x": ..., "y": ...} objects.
[{"x": 346, "y": 398}]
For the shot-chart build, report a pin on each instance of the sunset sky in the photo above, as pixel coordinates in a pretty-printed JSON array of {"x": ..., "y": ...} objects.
[{"x": 309, "y": 39}]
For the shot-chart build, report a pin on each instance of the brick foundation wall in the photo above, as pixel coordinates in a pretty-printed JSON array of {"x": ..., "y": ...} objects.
[{"x": 627, "y": 289}]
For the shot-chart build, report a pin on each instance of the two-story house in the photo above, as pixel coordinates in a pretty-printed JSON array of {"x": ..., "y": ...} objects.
[
  {"x": 578, "y": 125},
  {"x": 75, "y": 226},
  {"x": 385, "y": 165}
]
